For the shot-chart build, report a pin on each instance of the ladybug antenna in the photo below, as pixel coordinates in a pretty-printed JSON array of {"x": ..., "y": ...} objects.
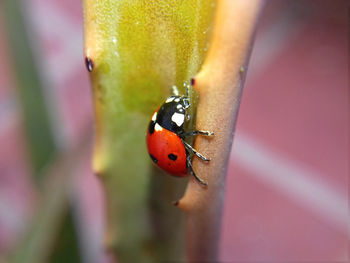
[
  {"x": 187, "y": 87},
  {"x": 186, "y": 98},
  {"x": 175, "y": 90}
]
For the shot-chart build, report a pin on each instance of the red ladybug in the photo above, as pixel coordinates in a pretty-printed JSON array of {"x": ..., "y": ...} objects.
[{"x": 166, "y": 138}]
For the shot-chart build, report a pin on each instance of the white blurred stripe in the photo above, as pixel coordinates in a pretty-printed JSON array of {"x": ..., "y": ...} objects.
[
  {"x": 9, "y": 115},
  {"x": 54, "y": 26},
  {"x": 12, "y": 214},
  {"x": 273, "y": 40},
  {"x": 301, "y": 184}
]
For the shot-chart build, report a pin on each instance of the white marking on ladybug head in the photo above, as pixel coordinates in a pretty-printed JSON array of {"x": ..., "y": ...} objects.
[
  {"x": 157, "y": 127},
  {"x": 170, "y": 99},
  {"x": 178, "y": 118},
  {"x": 154, "y": 116},
  {"x": 179, "y": 106},
  {"x": 177, "y": 100}
]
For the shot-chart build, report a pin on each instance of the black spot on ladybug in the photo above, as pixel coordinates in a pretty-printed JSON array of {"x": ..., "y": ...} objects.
[
  {"x": 193, "y": 81},
  {"x": 172, "y": 157},
  {"x": 89, "y": 64},
  {"x": 151, "y": 127},
  {"x": 154, "y": 159}
]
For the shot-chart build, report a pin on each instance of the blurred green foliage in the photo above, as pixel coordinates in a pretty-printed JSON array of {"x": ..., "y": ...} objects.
[
  {"x": 54, "y": 216},
  {"x": 36, "y": 117},
  {"x": 66, "y": 249}
]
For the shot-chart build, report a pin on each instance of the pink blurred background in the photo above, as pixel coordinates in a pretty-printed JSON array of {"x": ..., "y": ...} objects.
[{"x": 287, "y": 185}]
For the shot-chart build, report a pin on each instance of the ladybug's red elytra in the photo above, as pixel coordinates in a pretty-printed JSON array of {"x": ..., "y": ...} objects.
[{"x": 166, "y": 137}]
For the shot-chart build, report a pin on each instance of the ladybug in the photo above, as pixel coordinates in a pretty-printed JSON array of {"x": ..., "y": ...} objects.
[{"x": 166, "y": 137}]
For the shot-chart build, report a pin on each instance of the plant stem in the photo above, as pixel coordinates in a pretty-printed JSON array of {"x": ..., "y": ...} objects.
[
  {"x": 219, "y": 85},
  {"x": 135, "y": 52}
]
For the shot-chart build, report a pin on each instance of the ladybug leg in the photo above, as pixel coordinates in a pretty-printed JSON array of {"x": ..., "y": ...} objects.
[
  {"x": 189, "y": 147},
  {"x": 205, "y": 133},
  {"x": 189, "y": 165}
]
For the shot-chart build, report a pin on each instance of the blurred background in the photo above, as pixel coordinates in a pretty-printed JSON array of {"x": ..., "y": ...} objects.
[{"x": 287, "y": 184}]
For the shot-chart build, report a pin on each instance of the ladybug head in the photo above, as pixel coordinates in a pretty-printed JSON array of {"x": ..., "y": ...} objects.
[{"x": 171, "y": 115}]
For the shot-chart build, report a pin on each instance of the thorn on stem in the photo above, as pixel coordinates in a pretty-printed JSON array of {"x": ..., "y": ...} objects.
[
  {"x": 89, "y": 64},
  {"x": 193, "y": 81},
  {"x": 97, "y": 174}
]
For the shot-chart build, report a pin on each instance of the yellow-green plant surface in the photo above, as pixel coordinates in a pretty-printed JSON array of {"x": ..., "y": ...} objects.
[{"x": 136, "y": 50}]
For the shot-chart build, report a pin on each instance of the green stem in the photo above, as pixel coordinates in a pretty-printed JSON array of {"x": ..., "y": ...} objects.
[{"x": 138, "y": 50}]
